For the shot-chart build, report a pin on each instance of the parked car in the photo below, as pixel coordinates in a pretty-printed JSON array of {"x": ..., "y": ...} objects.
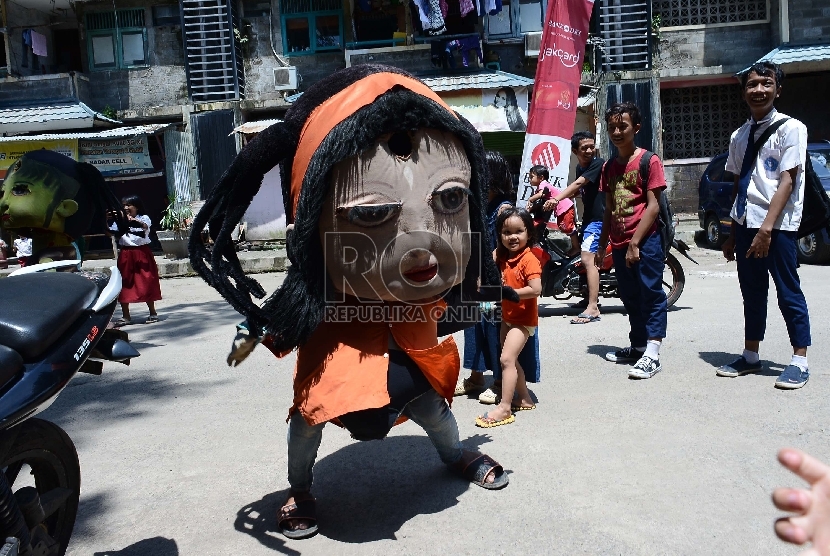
[{"x": 716, "y": 190}]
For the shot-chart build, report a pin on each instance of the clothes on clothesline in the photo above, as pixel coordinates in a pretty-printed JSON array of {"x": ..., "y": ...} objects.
[
  {"x": 432, "y": 12},
  {"x": 38, "y": 44},
  {"x": 465, "y": 45}
]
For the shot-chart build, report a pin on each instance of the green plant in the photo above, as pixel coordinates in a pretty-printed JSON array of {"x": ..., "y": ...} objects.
[
  {"x": 656, "y": 23},
  {"x": 175, "y": 218},
  {"x": 109, "y": 112}
]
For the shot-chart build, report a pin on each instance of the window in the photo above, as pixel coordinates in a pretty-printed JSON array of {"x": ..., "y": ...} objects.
[
  {"x": 166, "y": 15},
  {"x": 116, "y": 40},
  {"x": 310, "y": 26},
  {"x": 516, "y": 18},
  {"x": 698, "y": 121},
  {"x": 682, "y": 13}
]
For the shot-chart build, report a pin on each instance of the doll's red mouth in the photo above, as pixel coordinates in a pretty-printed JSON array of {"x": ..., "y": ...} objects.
[{"x": 422, "y": 273}]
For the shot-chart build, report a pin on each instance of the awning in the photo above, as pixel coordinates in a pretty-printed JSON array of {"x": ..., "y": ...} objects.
[
  {"x": 254, "y": 127},
  {"x": 587, "y": 100},
  {"x": 488, "y": 118},
  {"x": 799, "y": 59},
  {"x": 482, "y": 79},
  {"x": 32, "y": 119},
  {"x": 114, "y": 133}
]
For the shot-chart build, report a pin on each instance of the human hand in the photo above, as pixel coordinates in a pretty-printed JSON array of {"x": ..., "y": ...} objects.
[
  {"x": 599, "y": 257},
  {"x": 760, "y": 244},
  {"x": 632, "y": 255},
  {"x": 728, "y": 248},
  {"x": 812, "y": 507},
  {"x": 550, "y": 205},
  {"x": 529, "y": 206}
]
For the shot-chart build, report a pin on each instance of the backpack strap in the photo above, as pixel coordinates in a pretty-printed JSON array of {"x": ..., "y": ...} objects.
[
  {"x": 645, "y": 162},
  {"x": 773, "y": 127}
]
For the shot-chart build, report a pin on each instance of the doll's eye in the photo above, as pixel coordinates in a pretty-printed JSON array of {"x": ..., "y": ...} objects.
[
  {"x": 369, "y": 215},
  {"x": 450, "y": 200},
  {"x": 20, "y": 189}
]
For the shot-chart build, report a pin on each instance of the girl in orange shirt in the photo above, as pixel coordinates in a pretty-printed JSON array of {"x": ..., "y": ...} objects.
[{"x": 520, "y": 269}]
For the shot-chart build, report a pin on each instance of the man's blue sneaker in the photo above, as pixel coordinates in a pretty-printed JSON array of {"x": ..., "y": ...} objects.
[
  {"x": 793, "y": 377},
  {"x": 738, "y": 367}
]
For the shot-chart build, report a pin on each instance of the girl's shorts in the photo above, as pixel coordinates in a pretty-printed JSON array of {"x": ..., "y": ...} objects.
[{"x": 530, "y": 329}]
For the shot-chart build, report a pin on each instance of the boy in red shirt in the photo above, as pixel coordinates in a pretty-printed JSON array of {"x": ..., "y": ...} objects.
[{"x": 631, "y": 209}]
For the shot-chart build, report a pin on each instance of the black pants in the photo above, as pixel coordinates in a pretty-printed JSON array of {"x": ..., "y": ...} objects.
[{"x": 405, "y": 382}]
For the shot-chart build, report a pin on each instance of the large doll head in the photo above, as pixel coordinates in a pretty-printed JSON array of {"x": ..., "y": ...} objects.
[
  {"x": 385, "y": 187},
  {"x": 48, "y": 191}
]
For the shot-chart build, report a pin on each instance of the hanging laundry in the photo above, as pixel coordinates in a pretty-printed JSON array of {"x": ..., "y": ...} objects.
[
  {"x": 27, "y": 37},
  {"x": 466, "y": 7},
  {"x": 38, "y": 44},
  {"x": 445, "y": 8},
  {"x": 423, "y": 12},
  {"x": 498, "y": 7},
  {"x": 436, "y": 20},
  {"x": 465, "y": 45}
]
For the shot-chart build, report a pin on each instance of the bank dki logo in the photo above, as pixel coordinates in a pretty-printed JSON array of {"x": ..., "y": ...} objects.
[{"x": 546, "y": 154}]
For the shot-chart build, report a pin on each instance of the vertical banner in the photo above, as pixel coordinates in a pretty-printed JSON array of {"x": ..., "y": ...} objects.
[{"x": 552, "y": 112}]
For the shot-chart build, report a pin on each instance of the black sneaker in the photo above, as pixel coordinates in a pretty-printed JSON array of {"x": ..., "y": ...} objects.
[
  {"x": 646, "y": 367},
  {"x": 625, "y": 355}
]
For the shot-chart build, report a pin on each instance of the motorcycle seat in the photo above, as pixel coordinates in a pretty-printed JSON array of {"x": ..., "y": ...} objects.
[
  {"x": 36, "y": 309},
  {"x": 10, "y": 364}
]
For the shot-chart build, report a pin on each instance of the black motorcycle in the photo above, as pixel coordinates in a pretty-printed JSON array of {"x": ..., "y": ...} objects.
[
  {"x": 52, "y": 325},
  {"x": 563, "y": 277}
]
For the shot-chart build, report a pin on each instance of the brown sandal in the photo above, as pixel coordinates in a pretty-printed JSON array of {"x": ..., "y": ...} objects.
[{"x": 303, "y": 509}]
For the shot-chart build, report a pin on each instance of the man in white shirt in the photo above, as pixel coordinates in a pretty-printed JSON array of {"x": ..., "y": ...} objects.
[{"x": 768, "y": 201}]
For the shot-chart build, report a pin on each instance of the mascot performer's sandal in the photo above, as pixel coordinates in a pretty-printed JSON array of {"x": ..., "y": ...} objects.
[{"x": 384, "y": 189}]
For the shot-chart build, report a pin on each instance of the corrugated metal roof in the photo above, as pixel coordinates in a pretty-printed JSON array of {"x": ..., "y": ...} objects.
[
  {"x": 480, "y": 80},
  {"x": 254, "y": 127},
  {"x": 52, "y": 117},
  {"x": 588, "y": 99},
  {"x": 792, "y": 54},
  {"x": 114, "y": 133}
]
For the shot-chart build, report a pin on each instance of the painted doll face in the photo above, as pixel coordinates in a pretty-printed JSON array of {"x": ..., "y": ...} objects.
[
  {"x": 396, "y": 222},
  {"x": 36, "y": 195}
]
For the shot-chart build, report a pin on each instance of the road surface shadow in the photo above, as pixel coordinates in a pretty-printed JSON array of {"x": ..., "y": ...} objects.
[
  {"x": 182, "y": 321},
  {"x": 366, "y": 491},
  {"x": 157, "y": 546},
  {"x": 559, "y": 311},
  {"x": 718, "y": 358},
  {"x": 601, "y": 349}
]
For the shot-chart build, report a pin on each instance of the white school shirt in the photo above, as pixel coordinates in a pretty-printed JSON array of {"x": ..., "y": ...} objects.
[
  {"x": 784, "y": 150},
  {"x": 134, "y": 240},
  {"x": 23, "y": 247}
]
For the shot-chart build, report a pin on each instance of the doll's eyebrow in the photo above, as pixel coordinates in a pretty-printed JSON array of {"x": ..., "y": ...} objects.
[{"x": 438, "y": 190}]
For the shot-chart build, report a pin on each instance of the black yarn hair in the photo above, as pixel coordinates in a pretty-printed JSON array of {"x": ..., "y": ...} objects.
[
  {"x": 501, "y": 180},
  {"x": 621, "y": 108},
  {"x": 769, "y": 69},
  {"x": 293, "y": 312},
  {"x": 580, "y": 136},
  {"x": 527, "y": 220},
  {"x": 134, "y": 201},
  {"x": 541, "y": 171}
]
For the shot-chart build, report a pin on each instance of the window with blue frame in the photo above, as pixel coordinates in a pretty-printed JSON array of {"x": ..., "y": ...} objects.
[
  {"x": 116, "y": 39},
  {"x": 310, "y": 26},
  {"x": 516, "y": 18}
]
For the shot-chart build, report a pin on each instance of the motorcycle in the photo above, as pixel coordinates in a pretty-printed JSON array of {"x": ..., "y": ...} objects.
[
  {"x": 52, "y": 325},
  {"x": 563, "y": 277}
]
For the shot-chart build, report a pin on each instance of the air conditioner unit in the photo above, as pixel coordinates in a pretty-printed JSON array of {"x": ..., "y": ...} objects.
[{"x": 285, "y": 79}]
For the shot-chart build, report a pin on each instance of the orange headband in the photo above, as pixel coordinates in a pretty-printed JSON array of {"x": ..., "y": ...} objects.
[{"x": 339, "y": 107}]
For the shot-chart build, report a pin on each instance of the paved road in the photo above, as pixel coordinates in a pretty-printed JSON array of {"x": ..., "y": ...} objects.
[{"x": 183, "y": 456}]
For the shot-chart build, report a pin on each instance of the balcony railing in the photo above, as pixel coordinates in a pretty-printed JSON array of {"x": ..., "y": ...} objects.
[{"x": 57, "y": 87}]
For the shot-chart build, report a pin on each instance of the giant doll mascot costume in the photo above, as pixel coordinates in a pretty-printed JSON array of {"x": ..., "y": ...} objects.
[
  {"x": 54, "y": 200},
  {"x": 384, "y": 187}
]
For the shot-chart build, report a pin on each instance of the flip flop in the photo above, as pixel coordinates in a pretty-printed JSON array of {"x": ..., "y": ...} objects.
[
  {"x": 304, "y": 509},
  {"x": 523, "y": 408},
  {"x": 477, "y": 469},
  {"x": 486, "y": 422},
  {"x": 117, "y": 323},
  {"x": 151, "y": 319},
  {"x": 591, "y": 318}
]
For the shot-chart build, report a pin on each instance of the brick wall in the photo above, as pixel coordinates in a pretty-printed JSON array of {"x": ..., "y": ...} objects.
[
  {"x": 682, "y": 181},
  {"x": 728, "y": 46},
  {"x": 809, "y": 21}
]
